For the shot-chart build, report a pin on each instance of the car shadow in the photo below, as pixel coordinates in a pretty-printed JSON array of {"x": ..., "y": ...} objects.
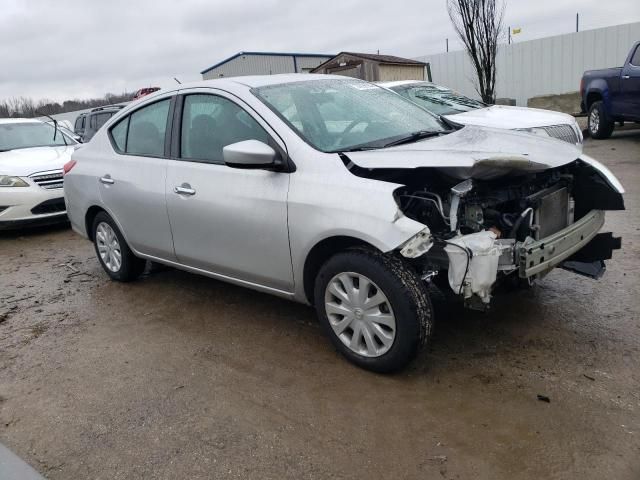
[
  {"x": 627, "y": 132},
  {"x": 460, "y": 337},
  {"x": 34, "y": 230}
]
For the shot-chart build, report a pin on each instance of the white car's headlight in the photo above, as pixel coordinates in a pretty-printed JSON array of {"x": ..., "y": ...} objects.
[
  {"x": 11, "y": 181},
  {"x": 535, "y": 130}
]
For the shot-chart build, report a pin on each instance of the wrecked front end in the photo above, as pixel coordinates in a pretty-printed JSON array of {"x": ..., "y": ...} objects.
[{"x": 514, "y": 227}]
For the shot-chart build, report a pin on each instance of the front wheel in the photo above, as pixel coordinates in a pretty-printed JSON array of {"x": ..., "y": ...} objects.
[
  {"x": 112, "y": 250},
  {"x": 374, "y": 308},
  {"x": 599, "y": 126}
]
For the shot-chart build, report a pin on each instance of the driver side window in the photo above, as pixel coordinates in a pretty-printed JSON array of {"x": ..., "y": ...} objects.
[{"x": 210, "y": 122}]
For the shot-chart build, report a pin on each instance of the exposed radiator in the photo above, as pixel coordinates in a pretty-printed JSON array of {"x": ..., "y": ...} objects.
[{"x": 552, "y": 213}]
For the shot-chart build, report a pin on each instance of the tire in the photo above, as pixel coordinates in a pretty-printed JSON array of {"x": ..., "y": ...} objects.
[
  {"x": 600, "y": 127},
  {"x": 407, "y": 313},
  {"x": 108, "y": 241}
]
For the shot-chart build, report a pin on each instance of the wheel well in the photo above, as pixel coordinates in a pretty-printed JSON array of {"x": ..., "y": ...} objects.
[
  {"x": 591, "y": 98},
  {"x": 320, "y": 253},
  {"x": 88, "y": 219}
]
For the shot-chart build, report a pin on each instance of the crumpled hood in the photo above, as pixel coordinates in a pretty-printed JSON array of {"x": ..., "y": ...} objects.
[
  {"x": 503, "y": 116},
  {"x": 26, "y": 161},
  {"x": 474, "y": 152}
]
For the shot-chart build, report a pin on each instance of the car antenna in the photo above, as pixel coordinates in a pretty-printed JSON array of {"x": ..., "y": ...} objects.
[
  {"x": 55, "y": 126},
  {"x": 179, "y": 82}
]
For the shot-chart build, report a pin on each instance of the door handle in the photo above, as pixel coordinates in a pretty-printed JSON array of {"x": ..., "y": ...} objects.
[
  {"x": 626, "y": 77},
  {"x": 107, "y": 180},
  {"x": 184, "y": 189}
]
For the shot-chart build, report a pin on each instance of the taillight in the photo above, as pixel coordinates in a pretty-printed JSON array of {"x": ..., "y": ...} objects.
[{"x": 68, "y": 166}]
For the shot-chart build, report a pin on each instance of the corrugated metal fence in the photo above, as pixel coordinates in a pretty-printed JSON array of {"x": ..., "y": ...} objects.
[{"x": 545, "y": 66}]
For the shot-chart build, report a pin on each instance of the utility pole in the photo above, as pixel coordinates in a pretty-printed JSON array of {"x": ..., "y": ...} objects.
[
  {"x": 509, "y": 40},
  {"x": 577, "y": 22},
  {"x": 447, "y": 44}
]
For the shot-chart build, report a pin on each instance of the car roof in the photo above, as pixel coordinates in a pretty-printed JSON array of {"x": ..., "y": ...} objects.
[
  {"x": 117, "y": 106},
  {"x": 265, "y": 80},
  {"x": 253, "y": 81},
  {"x": 231, "y": 83}
]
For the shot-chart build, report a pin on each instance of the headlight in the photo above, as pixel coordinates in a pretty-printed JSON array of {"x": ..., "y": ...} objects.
[
  {"x": 9, "y": 181},
  {"x": 536, "y": 131}
]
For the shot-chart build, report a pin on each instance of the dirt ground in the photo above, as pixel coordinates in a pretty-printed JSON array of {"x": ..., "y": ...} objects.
[{"x": 180, "y": 376}]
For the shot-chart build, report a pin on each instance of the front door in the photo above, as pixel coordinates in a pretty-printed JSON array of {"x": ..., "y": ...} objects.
[
  {"x": 232, "y": 222},
  {"x": 630, "y": 86}
]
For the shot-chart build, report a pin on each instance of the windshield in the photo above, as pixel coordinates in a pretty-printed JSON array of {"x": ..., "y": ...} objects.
[
  {"x": 31, "y": 134},
  {"x": 438, "y": 100},
  {"x": 339, "y": 115}
]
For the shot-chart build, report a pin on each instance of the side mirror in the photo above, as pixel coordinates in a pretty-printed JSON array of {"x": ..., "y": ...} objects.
[{"x": 249, "y": 154}]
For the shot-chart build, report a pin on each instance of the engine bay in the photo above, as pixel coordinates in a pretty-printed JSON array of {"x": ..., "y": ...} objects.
[
  {"x": 518, "y": 226},
  {"x": 524, "y": 207}
]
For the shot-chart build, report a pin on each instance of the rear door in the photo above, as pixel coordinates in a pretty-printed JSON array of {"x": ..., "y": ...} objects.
[
  {"x": 132, "y": 180},
  {"x": 232, "y": 222}
]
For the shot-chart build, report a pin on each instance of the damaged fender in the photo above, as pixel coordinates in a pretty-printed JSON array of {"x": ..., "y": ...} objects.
[{"x": 418, "y": 245}]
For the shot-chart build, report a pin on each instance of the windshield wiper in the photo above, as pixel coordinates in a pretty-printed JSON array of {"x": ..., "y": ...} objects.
[
  {"x": 414, "y": 137},
  {"x": 355, "y": 149},
  {"x": 55, "y": 129}
]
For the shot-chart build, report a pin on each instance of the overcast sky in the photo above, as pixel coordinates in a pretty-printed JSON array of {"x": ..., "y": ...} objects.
[{"x": 61, "y": 49}]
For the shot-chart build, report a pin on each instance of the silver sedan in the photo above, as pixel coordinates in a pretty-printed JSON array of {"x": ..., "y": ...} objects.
[{"x": 337, "y": 193}]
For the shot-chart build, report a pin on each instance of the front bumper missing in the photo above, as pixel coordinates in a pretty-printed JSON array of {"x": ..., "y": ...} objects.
[{"x": 542, "y": 255}]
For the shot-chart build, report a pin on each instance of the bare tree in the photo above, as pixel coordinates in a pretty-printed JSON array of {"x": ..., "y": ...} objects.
[
  {"x": 479, "y": 25},
  {"x": 27, "y": 107}
]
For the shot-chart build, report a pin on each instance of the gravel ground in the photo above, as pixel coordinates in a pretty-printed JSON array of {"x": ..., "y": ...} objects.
[{"x": 181, "y": 376}]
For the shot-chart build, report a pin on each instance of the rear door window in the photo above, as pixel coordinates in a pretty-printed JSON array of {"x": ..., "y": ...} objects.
[
  {"x": 101, "y": 119},
  {"x": 119, "y": 134},
  {"x": 147, "y": 129}
]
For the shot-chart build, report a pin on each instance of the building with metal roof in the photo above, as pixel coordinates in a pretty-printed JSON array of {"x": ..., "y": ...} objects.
[
  {"x": 264, "y": 63},
  {"x": 375, "y": 67}
]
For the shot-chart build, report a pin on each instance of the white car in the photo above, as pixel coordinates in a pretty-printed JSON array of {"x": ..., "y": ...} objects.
[
  {"x": 32, "y": 156},
  {"x": 462, "y": 110}
]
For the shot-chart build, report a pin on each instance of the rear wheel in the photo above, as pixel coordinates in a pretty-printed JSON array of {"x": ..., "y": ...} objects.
[
  {"x": 599, "y": 126},
  {"x": 112, "y": 250},
  {"x": 374, "y": 308}
]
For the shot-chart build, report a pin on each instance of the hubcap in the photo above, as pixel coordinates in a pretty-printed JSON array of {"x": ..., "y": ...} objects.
[
  {"x": 594, "y": 120},
  {"x": 360, "y": 314},
  {"x": 108, "y": 247}
]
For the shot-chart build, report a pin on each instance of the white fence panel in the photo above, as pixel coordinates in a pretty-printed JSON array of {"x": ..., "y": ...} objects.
[{"x": 545, "y": 66}]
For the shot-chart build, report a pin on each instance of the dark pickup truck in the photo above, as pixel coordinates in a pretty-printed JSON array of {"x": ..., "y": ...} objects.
[{"x": 612, "y": 95}]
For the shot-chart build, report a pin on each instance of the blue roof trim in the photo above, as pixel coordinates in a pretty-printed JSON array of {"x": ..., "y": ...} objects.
[{"x": 266, "y": 54}]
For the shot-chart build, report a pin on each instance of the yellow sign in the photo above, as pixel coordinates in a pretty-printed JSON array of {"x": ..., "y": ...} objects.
[{"x": 516, "y": 30}]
